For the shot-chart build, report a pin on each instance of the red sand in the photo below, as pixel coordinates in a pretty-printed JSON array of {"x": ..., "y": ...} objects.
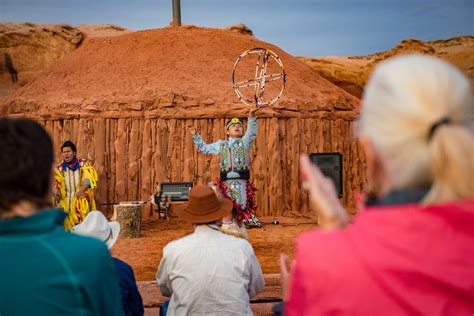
[{"x": 144, "y": 254}]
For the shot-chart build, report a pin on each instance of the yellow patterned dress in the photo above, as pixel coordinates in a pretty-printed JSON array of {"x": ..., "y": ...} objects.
[{"x": 68, "y": 179}]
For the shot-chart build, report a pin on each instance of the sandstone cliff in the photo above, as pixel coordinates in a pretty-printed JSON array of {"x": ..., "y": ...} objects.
[
  {"x": 26, "y": 49},
  {"x": 351, "y": 73}
]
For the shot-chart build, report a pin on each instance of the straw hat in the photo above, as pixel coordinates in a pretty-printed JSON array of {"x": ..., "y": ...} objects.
[
  {"x": 96, "y": 225},
  {"x": 204, "y": 206}
]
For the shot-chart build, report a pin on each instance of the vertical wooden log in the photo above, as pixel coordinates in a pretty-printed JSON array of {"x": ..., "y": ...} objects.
[
  {"x": 258, "y": 168},
  {"x": 283, "y": 152},
  {"x": 134, "y": 153},
  {"x": 216, "y": 131},
  {"x": 57, "y": 139},
  {"x": 111, "y": 133},
  {"x": 199, "y": 165},
  {"x": 327, "y": 135},
  {"x": 178, "y": 150},
  {"x": 276, "y": 205},
  {"x": 75, "y": 132},
  {"x": 160, "y": 156},
  {"x": 85, "y": 136},
  {"x": 155, "y": 152},
  {"x": 171, "y": 152},
  {"x": 146, "y": 172},
  {"x": 110, "y": 162},
  {"x": 309, "y": 145},
  {"x": 346, "y": 164},
  {"x": 120, "y": 146},
  {"x": 261, "y": 164},
  {"x": 293, "y": 163},
  {"x": 68, "y": 130},
  {"x": 99, "y": 142},
  {"x": 48, "y": 125},
  {"x": 336, "y": 146},
  {"x": 188, "y": 153},
  {"x": 206, "y": 175}
]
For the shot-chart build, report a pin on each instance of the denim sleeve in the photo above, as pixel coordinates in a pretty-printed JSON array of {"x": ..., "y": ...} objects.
[
  {"x": 213, "y": 148},
  {"x": 251, "y": 132}
]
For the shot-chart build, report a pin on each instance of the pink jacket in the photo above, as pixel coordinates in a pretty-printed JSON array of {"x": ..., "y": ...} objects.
[{"x": 398, "y": 260}]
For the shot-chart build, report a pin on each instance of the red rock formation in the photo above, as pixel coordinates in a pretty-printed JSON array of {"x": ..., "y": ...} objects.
[
  {"x": 351, "y": 73},
  {"x": 102, "y": 30},
  {"x": 127, "y": 102},
  {"x": 28, "y": 48},
  {"x": 240, "y": 28}
]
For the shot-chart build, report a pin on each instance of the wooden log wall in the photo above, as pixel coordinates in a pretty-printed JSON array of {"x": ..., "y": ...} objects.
[{"x": 132, "y": 155}]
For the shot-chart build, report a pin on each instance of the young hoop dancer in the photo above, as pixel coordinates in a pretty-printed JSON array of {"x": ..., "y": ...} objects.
[{"x": 234, "y": 180}]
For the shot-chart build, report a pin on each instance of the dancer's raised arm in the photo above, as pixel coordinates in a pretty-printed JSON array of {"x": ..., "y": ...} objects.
[
  {"x": 213, "y": 148},
  {"x": 252, "y": 128}
]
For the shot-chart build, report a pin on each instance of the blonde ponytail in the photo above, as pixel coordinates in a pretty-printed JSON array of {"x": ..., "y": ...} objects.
[
  {"x": 451, "y": 156},
  {"x": 416, "y": 112}
]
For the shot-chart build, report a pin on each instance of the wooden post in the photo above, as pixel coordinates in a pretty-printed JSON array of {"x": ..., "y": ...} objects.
[
  {"x": 176, "y": 13},
  {"x": 129, "y": 217}
]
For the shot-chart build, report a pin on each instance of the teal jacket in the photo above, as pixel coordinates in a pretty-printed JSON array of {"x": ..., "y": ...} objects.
[{"x": 45, "y": 270}]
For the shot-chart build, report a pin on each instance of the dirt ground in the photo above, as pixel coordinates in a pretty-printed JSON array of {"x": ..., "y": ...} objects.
[{"x": 144, "y": 254}]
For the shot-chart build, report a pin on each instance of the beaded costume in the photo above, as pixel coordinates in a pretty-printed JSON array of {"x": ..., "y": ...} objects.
[
  {"x": 234, "y": 181},
  {"x": 68, "y": 179}
]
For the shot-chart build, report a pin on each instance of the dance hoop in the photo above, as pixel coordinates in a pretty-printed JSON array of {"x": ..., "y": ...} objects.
[{"x": 261, "y": 78}]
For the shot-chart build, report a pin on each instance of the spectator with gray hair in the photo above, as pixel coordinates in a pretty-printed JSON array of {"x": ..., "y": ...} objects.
[{"x": 409, "y": 252}]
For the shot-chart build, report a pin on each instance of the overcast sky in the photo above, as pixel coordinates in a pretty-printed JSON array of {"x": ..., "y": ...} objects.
[{"x": 300, "y": 27}]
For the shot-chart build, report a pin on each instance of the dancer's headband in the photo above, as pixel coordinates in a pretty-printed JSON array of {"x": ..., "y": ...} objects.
[{"x": 232, "y": 122}]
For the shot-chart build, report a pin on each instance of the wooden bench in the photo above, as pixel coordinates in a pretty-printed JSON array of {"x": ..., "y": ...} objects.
[{"x": 261, "y": 304}]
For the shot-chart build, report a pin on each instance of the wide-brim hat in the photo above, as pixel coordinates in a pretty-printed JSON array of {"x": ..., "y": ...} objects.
[
  {"x": 203, "y": 206},
  {"x": 96, "y": 225}
]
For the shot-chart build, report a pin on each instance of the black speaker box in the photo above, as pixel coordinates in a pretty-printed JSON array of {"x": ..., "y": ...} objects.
[{"x": 331, "y": 166}]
